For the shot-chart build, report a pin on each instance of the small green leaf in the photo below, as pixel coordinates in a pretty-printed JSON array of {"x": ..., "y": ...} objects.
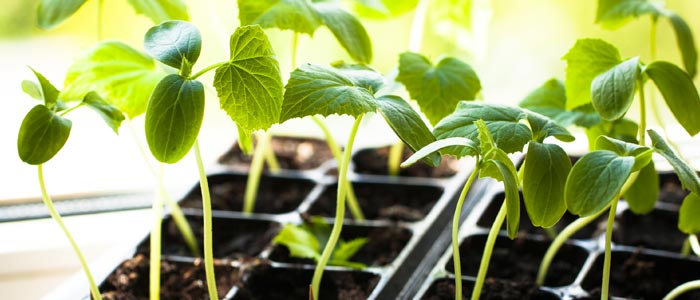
[
  {"x": 314, "y": 89},
  {"x": 543, "y": 127},
  {"x": 48, "y": 90},
  {"x": 612, "y": 92},
  {"x": 587, "y": 59},
  {"x": 347, "y": 29},
  {"x": 173, "y": 117},
  {"x": 688, "y": 220},
  {"x": 614, "y": 13},
  {"x": 550, "y": 100},
  {"x": 595, "y": 180},
  {"x": 249, "y": 86},
  {"x": 50, "y": 13},
  {"x": 300, "y": 242},
  {"x": 32, "y": 89},
  {"x": 546, "y": 169},
  {"x": 407, "y": 125},
  {"x": 41, "y": 135},
  {"x": 486, "y": 142},
  {"x": 345, "y": 250},
  {"x": 439, "y": 144},
  {"x": 689, "y": 179},
  {"x": 686, "y": 43},
  {"x": 174, "y": 43},
  {"x": 124, "y": 76},
  {"x": 437, "y": 89},
  {"x": 679, "y": 92},
  {"x": 161, "y": 10},
  {"x": 499, "y": 166},
  {"x": 297, "y": 15},
  {"x": 641, "y": 154},
  {"x": 641, "y": 195},
  {"x": 109, "y": 113}
]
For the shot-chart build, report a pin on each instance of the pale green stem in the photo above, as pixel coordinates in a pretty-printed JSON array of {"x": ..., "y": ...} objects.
[
  {"x": 254, "y": 174},
  {"x": 605, "y": 285},
  {"x": 156, "y": 239},
  {"x": 642, "y": 114},
  {"x": 208, "y": 240},
  {"x": 100, "y": 14},
  {"x": 418, "y": 26},
  {"x": 353, "y": 204},
  {"x": 488, "y": 249},
  {"x": 57, "y": 217},
  {"x": 683, "y": 288},
  {"x": 65, "y": 112},
  {"x": 295, "y": 45},
  {"x": 694, "y": 244},
  {"x": 685, "y": 249},
  {"x": 394, "y": 160},
  {"x": 272, "y": 164},
  {"x": 339, "y": 212},
  {"x": 207, "y": 69},
  {"x": 178, "y": 217},
  {"x": 652, "y": 37},
  {"x": 455, "y": 233}
]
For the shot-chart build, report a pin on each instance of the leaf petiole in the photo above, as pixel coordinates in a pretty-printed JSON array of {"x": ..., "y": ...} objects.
[{"x": 207, "y": 69}]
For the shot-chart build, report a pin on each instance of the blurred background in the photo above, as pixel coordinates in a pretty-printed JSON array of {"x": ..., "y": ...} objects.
[{"x": 514, "y": 46}]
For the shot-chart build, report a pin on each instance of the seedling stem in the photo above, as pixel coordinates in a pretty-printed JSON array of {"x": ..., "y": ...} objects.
[
  {"x": 156, "y": 239},
  {"x": 207, "y": 216},
  {"x": 488, "y": 249},
  {"x": 455, "y": 231}
]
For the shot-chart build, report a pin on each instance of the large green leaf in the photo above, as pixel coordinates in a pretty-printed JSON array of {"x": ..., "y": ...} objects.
[
  {"x": 48, "y": 90},
  {"x": 686, "y": 43},
  {"x": 173, "y": 118},
  {"x": 679, "y": 92},
  {"x": 587, "y": 59},
  {"x": 612, "y": 92},
  {"x": 124, "y": 76},
  {"x": 614, "y": 13},
  {"x": 549, "y": 100},
  {"x": 688, "y": 220},
  {"x": 314, "y": 89},
  {"x": 641, "y": 195},
  {"x": 300, "y": 242},
  {"x": 174, "y": 43},
  {"x": 108, "y": 112},
  {"x": 250, "y": 84},
  {"x": 347, "y": 29},
  {"x": 503, "y": 122},
  {"x": 161, "y": 10},
  {"x": 41, "y": 135},
  {"x": 383, "y": 9},
  {"x": 689, "y": 179},
  {"x": 407, "y": 125},
  {"x": 439, "y": 88},
  {"x": 50, "y": 13},
  {"x": 595, "y": 180},
  {"x": 297, "y": 15},
  {"x": 546, "y": 169}
]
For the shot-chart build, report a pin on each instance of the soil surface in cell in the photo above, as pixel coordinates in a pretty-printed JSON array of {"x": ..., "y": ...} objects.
[
  {"x": 655, "y": 230},
  {"x": 292, "y": 154},
  {"x": 374, "y": 161},
  {"x": 670, "y": 190},
  {"x": 493, "y": 289}
]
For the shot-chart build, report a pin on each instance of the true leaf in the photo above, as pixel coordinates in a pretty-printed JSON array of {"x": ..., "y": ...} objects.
[
  {"x": 486, "y": 142},
  {"x": 587, "y": 59},
  {"x": 345, "y": 250},
  {"x": 383, "y": 9},
  {"x": 614, "y": 13},
  {"x": 32, "y": 89},
  {"x": 161, "y": 10},
  {"x": 622, "y": 129},
  {"x": 595, "y": 180},
  {"x": 439, "y": 144},
  {"x": 408, "y": 125},
  {"x": 679, "y": 92},
  {"x": 686, "y": 43},
  {"x": 173, "y": 43},
  {"x": 612, "y": 91},
  {"x": 41, "y": 135},
  {"x": 50, "y": 13},
  {"x": 437, "y": 89},
  {"x": 545, "y": 171},
  {"x": 688, "y": 220},
  {"x": 249, "y": 86},
  {"x": 543, "y": 127},
  {"x": 499, "y": 166},
  {"x": 641, "y": 195},
  {"x": 550, "y": 100},
  {"x": 347, "y": 29},
  {"x": 364, "y": 76},
  {"x": 689, "y": 179},
  {"x": 49, "y": 92},
  {"x": 297, "y": 15},
  {"x": 109, "y": 113},
  {"x": 124, "y": 76},
  {"x": 300, "y": 242},
  {"x": 173, "y": 117}
]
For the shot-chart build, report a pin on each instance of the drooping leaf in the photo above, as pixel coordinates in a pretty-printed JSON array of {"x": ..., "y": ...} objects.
[
  {"x": 32, "y": 89},
  {"x": 686, "y": 43},
  {"x": 437, "y": 89},
  {"x": 503, "y": 123},
  {"x": 173, "y": 117},
  {"x": 48, "y": 90},
  {"x": 383, "y": 9},
  {"x": 641, "y": 195},
  {"x": 124, "y": 76},
  {"x": 688, "y": 220},
  {"x": 550, "y": 100},
  {"x": 300, "y": 242},
  {"x": 314, "y": 89},
  {"x": 679, "y": 92},
  {"x": 109, "y": 113},
  {"x": 345, "y": 250},
  {"x": 586, "y": 60},
  {"x": 249, "y": 86},
  {"x": 689, "y": 179},
  {"x": 614, "y": 13},
  {"x": 595, "y": 180},
  {"x": 407, "y": 125},
  {"x": 546, "y": 169},
  {"x": 347, "y": 29},
  {"x": 41, "y": 135},
  {"x": 50, "y": 13},
  {"x": 161, "y": 10},
  {"x": 543, "y": 127},
  {"x": 174, "y": 43},
  {"x": 296, "y": 15},
  {"x": 612, "y": 91},
  {"x": 439, "y": 144},
  {"x": 641, "y": 154}
]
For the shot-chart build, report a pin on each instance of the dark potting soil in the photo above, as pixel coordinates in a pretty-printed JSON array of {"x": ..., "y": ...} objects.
[
  {"x": 374, "y": 161},
  {"x": 493, "y": 289},
  {"x": 519, "y": 260},
  {"x": 275, "y": 195},
  {"x": 292, "y": 153},
  {"x": 655, "y": 230},
  {"x": 670, "y": 190},
  {"x": 179, "y": 280},
  {"x": 408, "y": 203},
  {"x": 383, "y": 246},
  {"x": 267, "y": 283}
]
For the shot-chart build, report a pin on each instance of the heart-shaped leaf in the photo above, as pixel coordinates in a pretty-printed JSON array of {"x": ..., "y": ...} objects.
[
  {"x": 613, "y": 91},
  {"x": 173, "y": 43},
  {"x": 679, "y": 92},
  {"x": 41, "y": 135},
  {"x": 161, "y": 10},
  {"x": 550, "y": 100},
  {"x": 586, "y": 60},
  {"x": 545, "y": 171}
]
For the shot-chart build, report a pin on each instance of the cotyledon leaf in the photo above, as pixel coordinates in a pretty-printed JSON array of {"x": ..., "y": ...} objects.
[
  {"x": 174, "y": 43},
  {"x": 680, "y": 93},
  {"x": 546, "y": 169},
  {"x": 612, "y": 91},
  {"x": 41, "y": 135},
  {"x": 585, "y": 60}
]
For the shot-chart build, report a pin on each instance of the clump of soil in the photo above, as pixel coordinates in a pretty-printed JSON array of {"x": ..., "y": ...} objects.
[
  {"x": 493, "y": 289},
  {"x": 291, "y": 153},
  {"x": 375, "y": 162}
]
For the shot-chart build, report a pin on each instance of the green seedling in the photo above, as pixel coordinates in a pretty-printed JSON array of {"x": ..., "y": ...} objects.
[
  {"x": 44, "y": 131},
  {"x": 308, "y": 239}
]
